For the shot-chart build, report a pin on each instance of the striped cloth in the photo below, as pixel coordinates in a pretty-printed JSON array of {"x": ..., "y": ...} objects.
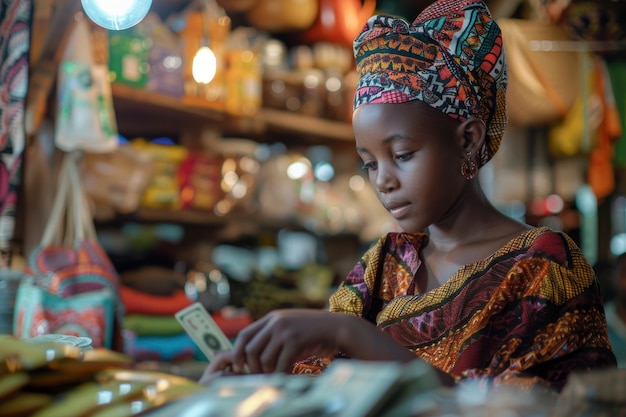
[{"x": 15, "y": 21}]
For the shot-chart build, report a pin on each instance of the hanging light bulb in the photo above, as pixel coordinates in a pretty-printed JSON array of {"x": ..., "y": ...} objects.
[
  {"x": 116, "y": 14},
  {"x": 204, "y": 65}
]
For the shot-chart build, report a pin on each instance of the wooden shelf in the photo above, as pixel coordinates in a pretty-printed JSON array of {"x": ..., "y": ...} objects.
[
  {"x": 194, "y": 218},
  {"x": 140, "y": 112},
  {"x": 179, "y": 216},
  {"x": 145, "y": 113},
  {"x": 184, "y": 217},
  {"x": 277, "y": 120},
  {"x": 149, "y": 101}
]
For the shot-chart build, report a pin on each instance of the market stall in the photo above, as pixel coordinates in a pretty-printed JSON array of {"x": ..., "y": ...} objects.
[{"x": 205, "y": 154}]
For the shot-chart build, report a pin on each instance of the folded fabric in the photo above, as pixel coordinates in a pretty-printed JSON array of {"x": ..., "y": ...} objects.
[
  {"x": 162, "y": 348},
  {"x": 138, "y": 302},
  {"x": 153, "y": 280},
  {"x": 152, "y": 325},
  {"x": 231, "y": 324}
]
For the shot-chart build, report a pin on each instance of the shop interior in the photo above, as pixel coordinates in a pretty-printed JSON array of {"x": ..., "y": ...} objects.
[{"x": 214, "y": 162}]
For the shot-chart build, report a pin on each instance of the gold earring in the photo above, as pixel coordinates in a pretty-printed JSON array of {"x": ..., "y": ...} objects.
[{"x": 469, "y": 167}]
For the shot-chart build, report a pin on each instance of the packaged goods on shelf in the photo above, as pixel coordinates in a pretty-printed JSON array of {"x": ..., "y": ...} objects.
[
  {"x": 128, "y": 57},
  {"x": 164, "y": 189},
  {"x": 117, "y": 179},
  {"x": 199, "y": 176},
  {"x": 165, "y": 61}
]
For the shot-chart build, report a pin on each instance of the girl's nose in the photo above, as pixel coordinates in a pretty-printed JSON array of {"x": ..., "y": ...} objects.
[{"x": 385, "y": 182}]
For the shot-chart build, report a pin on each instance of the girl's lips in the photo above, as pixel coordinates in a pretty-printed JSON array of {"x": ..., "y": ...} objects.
[{"x": 399, "y": 211}]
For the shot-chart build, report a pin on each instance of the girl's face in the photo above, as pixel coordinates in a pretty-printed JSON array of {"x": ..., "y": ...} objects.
[{"x": 413, "y": 155}]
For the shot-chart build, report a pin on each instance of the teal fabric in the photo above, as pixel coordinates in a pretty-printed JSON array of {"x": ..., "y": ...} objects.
[
  {"x": 617, "y": 333},
  {"x": 163, "y": 348}
]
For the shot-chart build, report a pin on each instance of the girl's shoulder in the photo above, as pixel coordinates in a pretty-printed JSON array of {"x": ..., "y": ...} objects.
[
  {"x": 552, "y": 245},
  {"x": 556, "y": 260}
]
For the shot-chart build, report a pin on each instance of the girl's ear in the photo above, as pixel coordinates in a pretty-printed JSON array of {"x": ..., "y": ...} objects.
[{"x": 472, "y": 134}]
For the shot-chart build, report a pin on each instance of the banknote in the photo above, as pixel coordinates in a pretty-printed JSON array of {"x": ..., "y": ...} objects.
[{"x": 203, "y": 330}]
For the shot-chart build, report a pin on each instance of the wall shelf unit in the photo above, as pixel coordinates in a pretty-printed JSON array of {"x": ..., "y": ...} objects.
[{"x": 142, "y": 112}]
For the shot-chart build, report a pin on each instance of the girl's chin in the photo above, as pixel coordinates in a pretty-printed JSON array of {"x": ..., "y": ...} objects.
[{"x": 410, "y": 228}]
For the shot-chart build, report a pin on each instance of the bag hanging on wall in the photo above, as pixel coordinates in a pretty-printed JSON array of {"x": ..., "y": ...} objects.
[
  {"x": 577, "y": 133},
  {"x": 85, "y": 114},
  {"x": 73, "y": 286},
  {"x": 540, "y": 88}
]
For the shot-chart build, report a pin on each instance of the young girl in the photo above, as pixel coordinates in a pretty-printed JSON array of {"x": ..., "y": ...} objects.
[{"x": 478, "y": 295}]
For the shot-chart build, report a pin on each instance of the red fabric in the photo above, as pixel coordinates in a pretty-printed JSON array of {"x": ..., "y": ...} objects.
[
  {"x": 137, "y": 302},
  {"x": 231, "y": 326}
]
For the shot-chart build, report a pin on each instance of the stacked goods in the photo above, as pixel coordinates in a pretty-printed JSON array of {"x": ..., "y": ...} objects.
[
  {"x": 151, "y": 296},
  {"x": 163, "y": 191}
]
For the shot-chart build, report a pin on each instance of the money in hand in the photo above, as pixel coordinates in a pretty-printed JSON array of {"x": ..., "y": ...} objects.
[{"x": 203, "y": 330}]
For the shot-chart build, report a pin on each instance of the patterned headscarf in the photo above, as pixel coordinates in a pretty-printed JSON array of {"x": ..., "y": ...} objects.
[{"x": 451, "y": 58}]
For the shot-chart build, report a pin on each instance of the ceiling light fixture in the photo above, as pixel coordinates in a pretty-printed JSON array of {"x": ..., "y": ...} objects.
[
  {"x": 116, "y": 14},
  {"x": 204, "y": 65}
]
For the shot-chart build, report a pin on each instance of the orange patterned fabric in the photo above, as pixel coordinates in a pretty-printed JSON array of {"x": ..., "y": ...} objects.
[
  {"x": 451, "y": 57},
  {"x": 530, "y": 313}
]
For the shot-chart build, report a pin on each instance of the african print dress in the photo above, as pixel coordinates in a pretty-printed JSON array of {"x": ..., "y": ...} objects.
[{"x": 530, "y": 313}]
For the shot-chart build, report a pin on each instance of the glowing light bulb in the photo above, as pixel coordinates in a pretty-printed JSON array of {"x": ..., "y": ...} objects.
[
  {"x": 116, "y": 14},
  {"x": 204, "y": 65}
]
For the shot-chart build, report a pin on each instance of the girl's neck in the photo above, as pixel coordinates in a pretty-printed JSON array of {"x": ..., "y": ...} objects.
[
  {"x": 476, "y": 232},
  {"x": 473, "y": 219}
]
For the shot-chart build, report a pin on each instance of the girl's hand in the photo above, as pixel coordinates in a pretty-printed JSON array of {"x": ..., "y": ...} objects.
[
  {"x": 221, "y": 365},
  {"x": 276, "y": 341},
  {"x": 282, "y": 337}
]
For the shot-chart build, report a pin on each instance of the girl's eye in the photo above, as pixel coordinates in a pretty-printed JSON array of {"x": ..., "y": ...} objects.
[
  {"x": 369, "y": 166},
  {"x": 404, "y": 156}
]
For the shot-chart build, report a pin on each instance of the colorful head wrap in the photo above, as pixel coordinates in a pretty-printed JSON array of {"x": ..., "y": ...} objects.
[{"x": 451, "y": 58}]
